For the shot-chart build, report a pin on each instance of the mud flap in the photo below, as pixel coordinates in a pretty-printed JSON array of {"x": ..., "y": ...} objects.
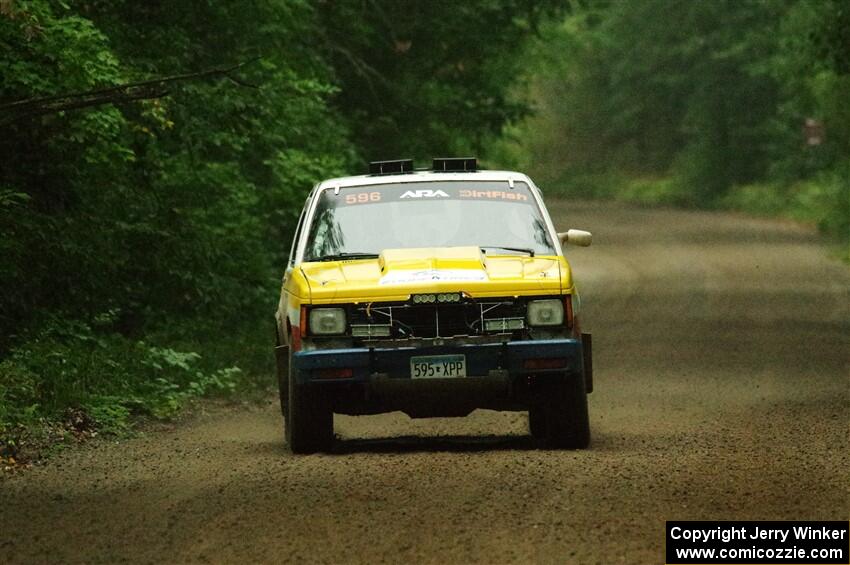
[
  {"x": 281, "y": 354},
  {"x": 587, "y": 353}
]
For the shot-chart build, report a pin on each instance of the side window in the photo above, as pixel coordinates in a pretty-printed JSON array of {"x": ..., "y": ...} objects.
[{"x": 298, "y": 231}]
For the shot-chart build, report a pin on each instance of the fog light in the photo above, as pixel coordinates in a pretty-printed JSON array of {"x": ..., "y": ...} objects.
[
  {"x": 370, "y": 330},
  {"x": 504, "y": 324}
]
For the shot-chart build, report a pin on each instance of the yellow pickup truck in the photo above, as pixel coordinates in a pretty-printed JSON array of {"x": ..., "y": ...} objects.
[{"x": 434, "y": 292}]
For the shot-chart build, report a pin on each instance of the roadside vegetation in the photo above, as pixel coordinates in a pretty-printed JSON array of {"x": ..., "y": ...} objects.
[
  {"x": 737, "y": 104},
  {"x": 144, "y": 229}
]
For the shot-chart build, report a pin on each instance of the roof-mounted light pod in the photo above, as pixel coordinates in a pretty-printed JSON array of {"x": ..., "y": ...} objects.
[
  {"x": 396, "y": 167},
  {"x": 455, "y": 165}
]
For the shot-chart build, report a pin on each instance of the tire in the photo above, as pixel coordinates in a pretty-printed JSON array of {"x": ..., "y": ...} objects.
[
  {"x": 309, "y": 418},
  {"x": 567, "y": 423},
  {"x": 537, "y": 422}
]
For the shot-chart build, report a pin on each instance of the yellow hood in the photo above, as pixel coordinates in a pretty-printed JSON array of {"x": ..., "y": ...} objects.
[{"x": 398, "y": 273}]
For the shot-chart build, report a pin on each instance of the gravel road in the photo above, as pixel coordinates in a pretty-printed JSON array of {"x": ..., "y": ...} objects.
[{"x": 721, "y": 345}]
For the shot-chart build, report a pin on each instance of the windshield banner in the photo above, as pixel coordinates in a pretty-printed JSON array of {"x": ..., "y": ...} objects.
[{"x": 420, "y": 191}]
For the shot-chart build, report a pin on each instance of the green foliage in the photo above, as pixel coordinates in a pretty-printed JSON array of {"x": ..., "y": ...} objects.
[
  {"x": 109, "y": 413},
  {"x": 653, "y": 191},
  {"x": 710, "y": 95},
  {"x": 823, "y": 199},
  {"x": 140, "y": 239},
  {"x": 164, "y": 218},
  {"x": 71, "y": 364},
  {"x": 425, "y": 78}
]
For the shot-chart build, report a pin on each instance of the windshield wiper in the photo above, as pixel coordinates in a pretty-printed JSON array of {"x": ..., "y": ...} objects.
[
  {"x": 346, "y": 255},
  {"x": 530, "y": 251}
]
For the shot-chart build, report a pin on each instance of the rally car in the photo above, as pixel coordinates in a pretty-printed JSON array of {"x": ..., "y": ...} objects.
[{"x": 433, "y": 292}]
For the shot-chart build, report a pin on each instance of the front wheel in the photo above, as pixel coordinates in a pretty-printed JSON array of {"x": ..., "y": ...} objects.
[
  {"x": 567, "y": 425},
  {"x": 309, "y": 418}
]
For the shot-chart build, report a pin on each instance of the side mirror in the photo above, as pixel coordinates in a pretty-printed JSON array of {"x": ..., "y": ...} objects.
[{"x": 576, "y": 237}]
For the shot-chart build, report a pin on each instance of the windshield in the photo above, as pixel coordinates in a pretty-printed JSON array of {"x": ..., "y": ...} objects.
[{"x": 365, "y": 220}]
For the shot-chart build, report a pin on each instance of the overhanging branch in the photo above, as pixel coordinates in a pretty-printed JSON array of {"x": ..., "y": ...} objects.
[{"x": 142, "y": 90}]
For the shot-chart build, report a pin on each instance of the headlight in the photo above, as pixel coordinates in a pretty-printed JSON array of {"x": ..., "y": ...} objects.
[
  {"x": 327, "y": 321},
  {"x": 546, "y": 312}
]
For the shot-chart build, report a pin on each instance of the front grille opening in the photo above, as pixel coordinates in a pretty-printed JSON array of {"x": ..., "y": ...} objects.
[{"x": 446, "y": 319}]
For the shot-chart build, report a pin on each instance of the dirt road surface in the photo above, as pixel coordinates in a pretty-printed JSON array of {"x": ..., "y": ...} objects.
[{"x": 721, "y": 356}]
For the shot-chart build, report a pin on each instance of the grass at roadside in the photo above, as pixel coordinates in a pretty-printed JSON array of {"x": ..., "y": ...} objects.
[
  {"x": 823, "y": 201},
  {"x": 72, "y": 380}
]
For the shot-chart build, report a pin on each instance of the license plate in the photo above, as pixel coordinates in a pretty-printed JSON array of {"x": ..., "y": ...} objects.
[{"x": 438, "y": 366}]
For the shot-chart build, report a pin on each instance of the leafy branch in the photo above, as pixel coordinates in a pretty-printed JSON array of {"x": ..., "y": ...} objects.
[{"x": 121, "y": 93}]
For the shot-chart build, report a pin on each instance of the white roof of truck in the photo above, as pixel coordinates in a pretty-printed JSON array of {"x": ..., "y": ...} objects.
[{"x": 424, "y": 176}]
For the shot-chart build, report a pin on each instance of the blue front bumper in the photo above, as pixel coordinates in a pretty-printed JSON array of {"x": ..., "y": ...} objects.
[{"x": 481, "y": 359}]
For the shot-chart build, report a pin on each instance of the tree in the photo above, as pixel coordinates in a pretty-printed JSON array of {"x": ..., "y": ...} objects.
[{"x": 426, "y": 78}]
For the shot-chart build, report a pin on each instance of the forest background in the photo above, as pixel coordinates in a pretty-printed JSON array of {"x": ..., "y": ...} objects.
[{"x": 143, "y": 230}]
